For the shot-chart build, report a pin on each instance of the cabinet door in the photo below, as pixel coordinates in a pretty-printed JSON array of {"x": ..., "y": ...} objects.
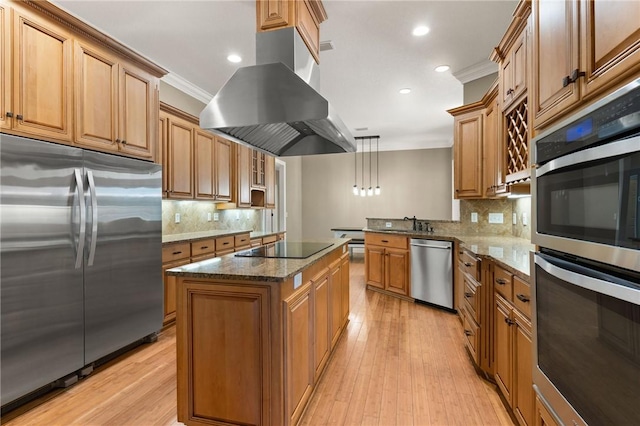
[
  {"x": 180, "y": 159},
  {"x": 169, "y": 283},
  {"x": 397, "y": 271},
  {"x": 336, "y": 301},
  {"x": 503, "y": 347},
  {"x": 204, "y": 165},
  {"x": 223, "y": 161},
  {"x": 96, "y": 94},
  {"x": 494, "y": 162},
  {"x": 519, "y": 66},
  {"x": 5, "y": 67},
  {"x": 270, "y": 182},
  {"x": 322, "y": 306},
  {"x": 555, "y": 47},
  {"x": 43, "y": 80},
  {"x": 506, "y": 81},
  {"x": 258, "y": 169},
  {"x": 163, "y": 134},
  {"x": 138, "y": 114},
  {"x": 244, "y": 176},
  {"x": 468, "y": 155},
  {"x": 344, "y": 270},
  {"x": 374, "y": 264},
  {"x": 298, "y": 346},
  {"x": 612, "y": 43},
  {"x": 524, "y": 396}
]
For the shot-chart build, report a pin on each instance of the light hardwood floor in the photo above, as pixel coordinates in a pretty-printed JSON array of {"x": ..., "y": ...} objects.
[{"x": 397, "y": 363}]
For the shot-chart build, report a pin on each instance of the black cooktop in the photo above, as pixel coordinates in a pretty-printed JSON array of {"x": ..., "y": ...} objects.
[{"x": 287, "y": 250}]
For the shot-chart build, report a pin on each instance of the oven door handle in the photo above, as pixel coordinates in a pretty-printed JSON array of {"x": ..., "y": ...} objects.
[
  {"x": 590, "y": 279},
  {"x": 613, "y": 149}
]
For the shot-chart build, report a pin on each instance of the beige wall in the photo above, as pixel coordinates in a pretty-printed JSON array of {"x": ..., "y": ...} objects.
[
  {"x": 178, "y": 99},
  {"x": 415, "y": 182},
  {"x": 474, "y": 90}
]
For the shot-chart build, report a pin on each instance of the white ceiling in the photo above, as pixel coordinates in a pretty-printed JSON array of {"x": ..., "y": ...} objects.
[{"x": 375, "y": 54}]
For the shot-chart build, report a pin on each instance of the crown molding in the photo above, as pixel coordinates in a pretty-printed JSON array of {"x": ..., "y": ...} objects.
[
  {"x": 476, "y": 71},
  {"x": 187, "y": 87}
]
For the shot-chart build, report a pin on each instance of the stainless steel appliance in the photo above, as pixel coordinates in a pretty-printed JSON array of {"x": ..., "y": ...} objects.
[
  {"x": 80, "y": 253},
  {"x": 431, "y": 272},
  {"x": 586, "y": 275}
]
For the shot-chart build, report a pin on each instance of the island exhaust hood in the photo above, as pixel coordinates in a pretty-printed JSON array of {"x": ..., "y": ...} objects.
[{"x": 274, "y": 106}]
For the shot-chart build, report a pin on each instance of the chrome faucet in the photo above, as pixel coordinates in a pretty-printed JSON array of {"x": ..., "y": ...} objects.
[{"x": 413, "y": 219}]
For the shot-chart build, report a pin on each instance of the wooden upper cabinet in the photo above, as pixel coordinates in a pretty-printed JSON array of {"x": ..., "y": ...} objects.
[
  {"x": 270, "y": 182},
  {"x": 493, "y": 152},
  {"x": 581, "y": 50},
  {"x": 258, "y": 169},
  {"x": 204, "y": 160},
  {"x": 243, "y": 174},
  {"x": 180, "y": 153},
  {"x": 554, "y": 46},
  {"x": 5, "y": 67},
  {"x": 223, "y": 169},
  {"x": 611, "y": 43},
  {"x": 161, "y": 158},
  {"x": 513, "y": 72},
  {"x": 42, "y": 78},
  {"x": 96, "y": 93},
  {"x": 138, "y": 111},
  {"x": 467, "y": 147},
  {"x": 305, "y": 15}
]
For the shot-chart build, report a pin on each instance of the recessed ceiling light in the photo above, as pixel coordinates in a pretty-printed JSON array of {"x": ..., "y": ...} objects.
[
  {"x": 234, "y": 58},
  {"x": 361, "y": 129},
  {"x": 442, "y": 68},
  {"x": 420, "y": 30},
  {"x": 405, "y": 91}
]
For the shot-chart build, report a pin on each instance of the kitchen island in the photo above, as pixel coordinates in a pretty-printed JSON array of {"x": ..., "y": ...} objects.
[{"x": 254, "y": 334}]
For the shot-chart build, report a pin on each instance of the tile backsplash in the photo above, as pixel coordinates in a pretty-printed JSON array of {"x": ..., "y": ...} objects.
[{"x": 193, "y": 217}]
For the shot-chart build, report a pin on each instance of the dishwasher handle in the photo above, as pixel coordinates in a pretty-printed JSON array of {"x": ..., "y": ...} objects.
[{"x": 430, "y": 246}]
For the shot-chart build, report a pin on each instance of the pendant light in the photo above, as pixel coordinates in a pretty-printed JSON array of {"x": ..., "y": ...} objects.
[
  {"x": 370, "y": 190},
  {"x": 377, "y": 191}
]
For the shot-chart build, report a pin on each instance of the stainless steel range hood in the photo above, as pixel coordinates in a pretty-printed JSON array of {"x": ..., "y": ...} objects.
[{"x": 274, "y": 106}]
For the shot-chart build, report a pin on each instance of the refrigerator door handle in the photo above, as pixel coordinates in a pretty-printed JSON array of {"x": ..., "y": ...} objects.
[
  {"x": 94, "y": 220},
  {"x": 83, "y": 221}
]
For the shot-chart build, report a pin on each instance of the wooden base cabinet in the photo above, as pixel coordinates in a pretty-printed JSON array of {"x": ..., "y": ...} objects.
[
  {"x": 387, "y": 263},
  {"x": 252, "y": 352}
]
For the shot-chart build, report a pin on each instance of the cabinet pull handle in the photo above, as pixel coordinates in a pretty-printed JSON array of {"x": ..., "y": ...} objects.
[
  {"x": 19, "y": 117},
  {"x": 509, "y": 321},
  {"x": 177, "y": 252},
  {"x": 468, "y": 333},
  {"x": 118, "y": 140},
  {"x": 510, "y": 91},
  {"x": 385, "y": 241},
  {"x": 501, "y": 281},
  {"x": 124, "y": 142},
  {"x": 204, "y": 247},
  {"x": 9, "y": 114},
  {"x": 467, "y": 264},
  {"x": 575, "y": 75},
  {"x": 460, "y": 252},
  {"x": 523, "y": 298},
  {"x": 224, "y": 244},
  {"x": 467, "y": 295}
]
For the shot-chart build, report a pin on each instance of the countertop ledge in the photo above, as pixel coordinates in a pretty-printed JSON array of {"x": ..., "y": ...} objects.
[
  {"x": 511, "y": 253},
  {"x": 194, "y": 236},
  {"x": 230, "y": 267}
]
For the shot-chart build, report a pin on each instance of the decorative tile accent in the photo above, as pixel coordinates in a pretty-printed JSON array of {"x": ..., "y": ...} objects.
[{"x": 193, "y": 217}]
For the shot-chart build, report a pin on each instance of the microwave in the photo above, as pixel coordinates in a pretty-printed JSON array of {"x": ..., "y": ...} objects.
[{"x": 586, "y": 182}]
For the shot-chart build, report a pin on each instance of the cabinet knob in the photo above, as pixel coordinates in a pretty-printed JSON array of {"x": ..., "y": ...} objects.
[
  {"x": 509, "y": 321},
  {"x": 19, "y": 117},
  {"x": 117, "y": 140},
  {"x": 467, "y": 264},
  {"x": 500, "y": 281},
  {"x": 468, "y": 295},
  {"x": 468, "y": 333},
  {"x": 9, "y": 114},
  {"x": 522, "y": 298},
  {"x": 124, "y": 142}
]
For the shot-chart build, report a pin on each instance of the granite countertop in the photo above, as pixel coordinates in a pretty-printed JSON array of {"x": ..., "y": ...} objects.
[
  {"x": 512, "y": 253},
  {"x": 253, "y": 268},
  {"x": 193, "y": 236}
]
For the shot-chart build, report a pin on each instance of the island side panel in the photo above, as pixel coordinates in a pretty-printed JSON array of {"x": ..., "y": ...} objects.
[{"x": 224, "y": 353}]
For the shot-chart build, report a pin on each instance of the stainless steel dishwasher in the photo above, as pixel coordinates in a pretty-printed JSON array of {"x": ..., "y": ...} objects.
[{"x": 431, "y": 273}]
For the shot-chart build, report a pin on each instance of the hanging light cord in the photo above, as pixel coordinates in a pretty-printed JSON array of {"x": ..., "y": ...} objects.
[{"x": 377, "y": 162}]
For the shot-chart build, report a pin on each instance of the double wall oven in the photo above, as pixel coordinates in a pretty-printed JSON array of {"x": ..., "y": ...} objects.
[{"x": 586, "y": 273}]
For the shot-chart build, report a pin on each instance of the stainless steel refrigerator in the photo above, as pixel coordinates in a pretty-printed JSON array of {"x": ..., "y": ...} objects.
[{"x": 80, "y": 259}]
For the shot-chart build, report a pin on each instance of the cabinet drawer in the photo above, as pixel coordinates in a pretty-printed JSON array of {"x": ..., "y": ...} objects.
[
  {"x": 224, "y": 244},
  {"x": 386, "y": 240},
  {"x": 203, "y": 247},
  {"x": 241, "y": 241},
  {"x": 470, "y": 264},
  {"x": 256, "y": 242},
  {"x": 471, "y": 334},
  {"x": 522, "y": 296},
  {"x": 270, "y": 239},
  {"x": 503, "y": 283},
  {"x": 175, "y": 252},
  {"x": 472, "y": 301}
]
